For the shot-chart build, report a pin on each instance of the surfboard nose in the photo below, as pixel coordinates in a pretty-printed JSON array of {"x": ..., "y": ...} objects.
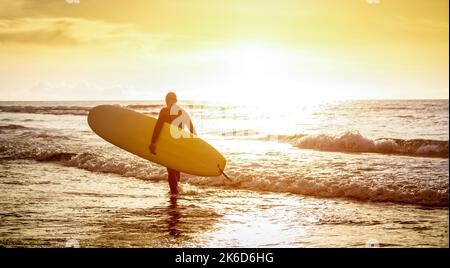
[
  {"x": 93, "y": 112},
  {"x": 95, "y": 115}
]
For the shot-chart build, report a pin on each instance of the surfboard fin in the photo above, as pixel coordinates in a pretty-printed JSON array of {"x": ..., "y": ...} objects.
[{"x": 223, "y": 173}]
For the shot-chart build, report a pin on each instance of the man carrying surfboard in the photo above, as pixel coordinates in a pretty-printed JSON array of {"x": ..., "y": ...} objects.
[{"x": 171, "y": 114}]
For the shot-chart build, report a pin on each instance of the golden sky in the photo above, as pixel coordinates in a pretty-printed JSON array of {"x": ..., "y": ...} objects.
[{"x": 211, "y": 50}]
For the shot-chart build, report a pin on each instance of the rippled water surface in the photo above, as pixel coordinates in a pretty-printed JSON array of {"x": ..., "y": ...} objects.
[{"x": 329, "y": 174}]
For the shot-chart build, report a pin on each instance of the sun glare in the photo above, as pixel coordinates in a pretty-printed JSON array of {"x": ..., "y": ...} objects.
[{"x": 261, "y": 74}]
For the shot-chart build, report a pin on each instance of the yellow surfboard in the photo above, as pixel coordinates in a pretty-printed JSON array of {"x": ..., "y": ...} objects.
[{"x": 132, "y": 131}]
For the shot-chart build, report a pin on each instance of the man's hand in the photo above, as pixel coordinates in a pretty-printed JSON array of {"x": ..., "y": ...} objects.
[{"x": 152, "y": 148}]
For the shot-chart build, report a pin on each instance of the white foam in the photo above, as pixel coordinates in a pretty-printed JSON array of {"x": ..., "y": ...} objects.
[
  {"x": 358, "y": 184},
  {"x": 355, "y": 142}
]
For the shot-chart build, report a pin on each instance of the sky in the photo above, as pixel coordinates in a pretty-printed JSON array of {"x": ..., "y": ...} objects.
[{"x": 224, "y": 50}]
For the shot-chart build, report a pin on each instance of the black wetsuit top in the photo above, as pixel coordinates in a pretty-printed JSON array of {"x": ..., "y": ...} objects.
[{"x": 166, "y": 117}]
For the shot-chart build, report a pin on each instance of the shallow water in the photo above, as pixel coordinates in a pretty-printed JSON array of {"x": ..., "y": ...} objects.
[
  {"x": 58, "y": 204},
  {"x": 338, "y": 174}
]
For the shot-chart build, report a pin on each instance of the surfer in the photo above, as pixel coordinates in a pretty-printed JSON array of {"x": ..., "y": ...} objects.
[{"x": 169, "y": 114}]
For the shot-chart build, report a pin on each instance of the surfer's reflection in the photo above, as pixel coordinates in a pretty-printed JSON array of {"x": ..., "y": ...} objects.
[{"x": 174, "y": 216}]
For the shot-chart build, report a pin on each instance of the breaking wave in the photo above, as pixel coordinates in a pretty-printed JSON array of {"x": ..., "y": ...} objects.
[
  {"x": 357, "y": 143},
  {"x": 20, "y": 142},
  {"x": 90, "y": 161},
  {"x": 121, "y": 163}
]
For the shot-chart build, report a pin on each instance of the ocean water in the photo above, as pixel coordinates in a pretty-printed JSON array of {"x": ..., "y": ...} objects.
[{"x": 339, "y": 174}]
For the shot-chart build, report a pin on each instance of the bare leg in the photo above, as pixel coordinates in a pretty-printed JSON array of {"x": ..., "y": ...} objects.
[{"x": 173, "y": 177}]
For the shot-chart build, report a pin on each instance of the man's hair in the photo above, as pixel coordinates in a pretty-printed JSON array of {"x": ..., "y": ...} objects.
[{"x": 171, "y": 96}]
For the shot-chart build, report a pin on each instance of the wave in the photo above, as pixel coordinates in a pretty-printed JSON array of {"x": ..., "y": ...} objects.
[
  {"x": 90, "y": 161},
  {"x": 61, "y": 110},
  {"x": 144, "y": 106},
  {"x": 29, "y": 133},
  {"x": 391, "y": 191},
  {"x": 12, "y": 126},
  {"x": 362, "y": 190},
  {"x": 39, "y": 145},
  {"x": 53, "y": 110},
  {"x": 75, "y": 110},
  {"x": 354, "y": 142}
]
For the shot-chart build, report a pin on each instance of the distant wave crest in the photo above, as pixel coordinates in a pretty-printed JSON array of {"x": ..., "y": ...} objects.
[
  {"x": 54, "y": 110},
  {"x": 143, "y": 106},
  {"x": 357, "y": 143},
  {"x": 12, "y": 127},
  {"x": 62, "y": 110},
  {"x": 81, "y": 110}
]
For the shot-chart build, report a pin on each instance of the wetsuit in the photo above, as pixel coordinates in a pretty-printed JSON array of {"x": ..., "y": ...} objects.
[{"x": 166, "y": 117}]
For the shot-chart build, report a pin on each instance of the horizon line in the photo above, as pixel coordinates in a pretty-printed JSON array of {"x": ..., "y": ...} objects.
[{"x": 190, "y": 100}]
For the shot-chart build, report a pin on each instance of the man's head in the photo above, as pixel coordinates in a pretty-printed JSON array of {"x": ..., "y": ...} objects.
[{"x": 171, "y": 98}]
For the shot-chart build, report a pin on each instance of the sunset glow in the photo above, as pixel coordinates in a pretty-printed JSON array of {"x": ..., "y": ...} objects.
[{"x": 249, "y": 51}]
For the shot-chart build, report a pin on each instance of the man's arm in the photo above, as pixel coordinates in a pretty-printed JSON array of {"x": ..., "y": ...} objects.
[{"x": 156, "y": 131}]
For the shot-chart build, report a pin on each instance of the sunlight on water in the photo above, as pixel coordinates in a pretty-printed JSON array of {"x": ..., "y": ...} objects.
[{"x": 323, "y": 174}]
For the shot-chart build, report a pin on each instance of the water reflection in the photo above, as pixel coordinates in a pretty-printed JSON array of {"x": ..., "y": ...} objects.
[{"x": 174, "y": 216}]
